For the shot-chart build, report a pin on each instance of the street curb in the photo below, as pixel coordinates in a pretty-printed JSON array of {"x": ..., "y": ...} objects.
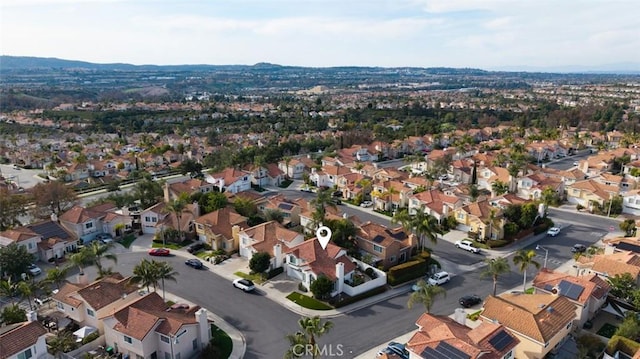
[{"x": 574, "y": 211}]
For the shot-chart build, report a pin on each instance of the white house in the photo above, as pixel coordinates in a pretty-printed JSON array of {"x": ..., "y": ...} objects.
[
  {"x": 230, "y": 180},
  {"x": 151, "y": 218},
  {"x": 631, "y": 202},
  {"x": 270, "y": 237},
  {"x": 24, "y": 340}
]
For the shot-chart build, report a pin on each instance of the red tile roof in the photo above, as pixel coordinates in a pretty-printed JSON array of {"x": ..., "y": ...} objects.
[
  {"x": 321, "y": 261},
  {"x": 16, "y": 338}
]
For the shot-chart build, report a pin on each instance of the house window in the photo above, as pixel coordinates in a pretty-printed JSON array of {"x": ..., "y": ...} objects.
[
  {"x": 88, "y": 225},
  {"x": 30, "y": 245},
  {"x": 25, "y": 354},
  {"x": 139, "y": 356},
  {"x": 460, "y": 215},
  {"x": 154, "y": 219},
  {"x": 575, "y": 191},
  {"x": 377, "y": 248},
  {"x": 200, "y": 227},
  {"x": 403, "y": 257},
  {"x": 164, "y": 338},
  {"x": 128, "y": 339},
  {"x": 195, "y": 344},
  {"x": 147, "y": 219},
  {"x": 167, "y": 355},
  {"x": 60, "y": 306},
  {"x": 568, "y": 325},
  {"x": 392, "y": 259},
  {"x": 91, "y": 313}
]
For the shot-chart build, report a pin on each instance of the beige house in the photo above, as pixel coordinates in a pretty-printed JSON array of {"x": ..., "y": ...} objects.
[
  {"x": 588, "y": 191},
  {"x": 46, "y": 240},
  {"x": 221, "y": 229},
  {"x": 542, "y": 322},
  {"x": 270, "y": 237},
  {"x": 86, "y": 304},
  {"x": 386, "y": 246},
  {"x": 481, "y": 218}
]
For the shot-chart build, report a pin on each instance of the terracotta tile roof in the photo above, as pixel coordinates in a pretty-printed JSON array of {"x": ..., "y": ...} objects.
[
  {"x": 273, "y": 171},
  {"x": 321, "y": 261},
  {"x": 106, "y": 291},
  {"x": 103, "y": 207},
  {"x": 79, "y": 214},
  {"x": 547, "y": 278},
  {"x": 434, "y": 330},
  {"x": 188, "y": 186},
  {"x": 16, "y": 338},
  {"x": 65, "y": 293},
  {"x": 267, "y": 235},
  {"x": 384, "y": 236},
  {"x": 617, "y": 263},
  {"x": 230, "y": 175},
  {"x": 50, "y": 243},
  {"x": 18, "y": 234},
  {"x": 222, "y": 221},
  {"x": 140, "y": 317},
  {"x": 482, "y": 210},
  {"x": 537, "y": 316}
]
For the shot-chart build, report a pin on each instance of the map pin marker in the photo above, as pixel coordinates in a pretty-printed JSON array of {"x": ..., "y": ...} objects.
[{"x": 324, "y": 235}]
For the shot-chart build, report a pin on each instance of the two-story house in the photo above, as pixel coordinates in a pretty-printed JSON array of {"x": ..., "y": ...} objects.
[
  {"x": 296, "y": 167},
  {"x": 631, "y": 202},
  {"x": 230, "y": 180},
  {"x": 24, "y": 340},
  {"x": 46, "y": 240},
  {"x": 445, "y": 337},
  {"x": 588, "y": 292},
  {"x": 148, "y": 328},
  {"x": 531, "y": 186},
  {"x": 541, "y": 322},
  {"x": 270, "y": 237},
  {"x": 390, "y": 195},
  {"x": 221, "y": 229},
  {"x": 290, "y": 209},
  {"x": 328, "y": 176},
  {"x": 86, "y": 223},
  {"x": 589, "y": 191},
  {"x": 189, "y": 186},
  {"x": 481, "y": 218},
  {"x": 386, "y": 246},
  {"x": 435, "y": 203}
]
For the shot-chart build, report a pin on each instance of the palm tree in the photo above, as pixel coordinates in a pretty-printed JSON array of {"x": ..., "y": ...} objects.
[
  {"x": 297, "y": 344},
  {"x": 495, "y": 267},
  {"x": 403, "y": 218},
  {"x": 81, "y": 259},
  {"x": 165, "y": 271},
  {"x": 498, "y": 187},
  {"x": 426, "y": 294},
  {"x": 97, "y": 251},
  {"x": 57, "y": 276},
  {"x": 426, "y": 227},
  {"x": 61, "y": 343},
  {"x": 177, "y": 207},
  {"x": 523, "y": 259},
  {"x": 493, "y": 220},
  {"x": 145, "y": 274},
  {"x": 313, "y": 327},
  {"x": 9, "y": 289},
  {"x": 119, "y": 229},
  {"x": 322, "y": 201},
  {"x": 28, "y": 290}
]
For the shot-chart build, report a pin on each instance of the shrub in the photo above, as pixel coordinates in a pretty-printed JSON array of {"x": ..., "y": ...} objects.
[
  {"x": 274, "y": 272},
  {"x": 91, "y": 337},
  {"x": 407, "y": 271},
  {"x": 474, "y": 316},
  {"x": 497, "y": 243},
  {"x": 371, "y": 273},
  {"x": 350, "y": 300},
  {"x": 579, "y": 207}
]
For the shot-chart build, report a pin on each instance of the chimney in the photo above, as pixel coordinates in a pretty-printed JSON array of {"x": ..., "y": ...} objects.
[
  {"x": 196, "y": 209},
  {"x": 167, "y": 198},
  {"x": 445, "y": 210},
  {"x": 277, "y": 253},
  {"x": 609, "y": 249},
  {"x": 54, "y": 217},
  {"x": 340, "y": 276},
  {"x": 32, "y": 316},
  {"x": 235, "y": 233},
  {"x": 203, "y": 326},
  {"x": 460, "y": 316}
]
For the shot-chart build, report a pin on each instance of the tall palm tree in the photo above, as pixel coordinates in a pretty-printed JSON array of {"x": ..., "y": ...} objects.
[
  {"x": 322, "y": 201},
  {"x": 312, "y": 328},
  {"x": 57, "y": 276},
  {"x": 426, "y": 294},
  {"x": 61, "y": 343},
  {"x": 426, "y": 227},
  {"x": 495, "y": 268},
  {"x": 145, "y": 274},
  {"x": 177, "y": 207},
  {"x": 523, "y": 259},
  {"x": 28, "y": 290},
  {"x": 297, "y": 344},
  {"x": 81, "y": 259},
  {"x": 403, "y": 218},
  {"x": 165, "y": 271},
  {"x": 97, "y": 251},
  {"x": 9, "y": 289}
]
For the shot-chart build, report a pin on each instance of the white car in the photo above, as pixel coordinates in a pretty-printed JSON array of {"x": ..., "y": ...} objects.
[
  {"x": 439, "y": 278},
  {"x": 553, "y": 231},
  {"x": 34, "y": 270},
  {"x": 244, "y": 284},
  {"x": 366, "y": 204},
  {"x": 467, "y": 246},
  {"x": 105, "y": 238}
]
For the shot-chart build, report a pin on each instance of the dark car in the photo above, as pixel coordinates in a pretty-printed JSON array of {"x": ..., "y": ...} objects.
[
  {"x": 395, "y": 348},
  {"x": 193, "y": 248},
  {"x": 194, "y": 263},
  {"x": 578, "y": 248},
  {"x": 469, "y": 300}
]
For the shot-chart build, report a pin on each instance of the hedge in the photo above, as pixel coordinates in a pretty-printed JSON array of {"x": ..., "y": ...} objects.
[
  {"x": 350, "y": 300},
  {"x": 415, "y": 268},
  {"x": 274, "y": 272}
]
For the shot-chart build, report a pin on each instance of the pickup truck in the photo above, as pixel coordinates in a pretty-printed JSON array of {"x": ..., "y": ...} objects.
[{"x": 467, "y": 246}]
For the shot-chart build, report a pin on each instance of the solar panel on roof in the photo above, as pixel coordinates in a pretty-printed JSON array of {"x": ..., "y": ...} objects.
[
  {"x": 445, "y": 351},
  {"x": 628, "y": 247},
  {"x": 49, "y": 229},
  {"x": 570, "y": 290},
  {"x": 501, "y": 340},
  {"x": 378, "y": 239},
  {"x": 285, "y": 206},
  {"x": 548, "y": 287},
  {"x": 564, "y": 286}
]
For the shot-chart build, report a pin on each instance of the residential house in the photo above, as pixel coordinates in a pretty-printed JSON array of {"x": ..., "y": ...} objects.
[
  {"x": 290, "y": 209},
  {"x": 481, "y": 218},
  {"x": 328, "y": 176},
  {"x": 487, "y": 176},
  {"x": 23, "y": 237},
  {"x": 587, "y": 292},
  {"x": 622, "y": 182},
  {"x": 148, "y": 328},
  {"x": 444, "y": 337},
  {"x": 390, "y": 195},
  {"x": 221, "y": 229},
  {"x": 230, "y": 180},
  {"x": 531, "y": 186},
  {"x": 541, "y": 322},
  {"x": 45, "y": 240},
  {"x": 86, "y": 223},
  {"x": 308, "y": 260},
  {"x": 588, "y": 192},
  {"x": 77, "y": 171},
  {"x": 611, "y": 264},
  {"x": 435, "y": 203},
  {"x": 87, "y": 304},
  {"x": 24, "y": 340},
  {"x": 631, "y": 202},
  {"x": 296, "y": 167},
  {"x": 189, "y": 186},
  {"x": 386, "y": 247},
  {"x": 270, "y": 237},
  {"x": 157, "y": 218}
]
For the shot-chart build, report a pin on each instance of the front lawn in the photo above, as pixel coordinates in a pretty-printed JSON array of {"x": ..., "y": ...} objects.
[
  {"x": 607, "y": 330},
  {"x": 285, "y": 183},
  {"x": 222, "y": 341},
  {"x": 174, "y": 246},
  {"x": 127, "y": 240},
  {"x": 255, "y": 278},
  {"x": 307, "y": 302}
]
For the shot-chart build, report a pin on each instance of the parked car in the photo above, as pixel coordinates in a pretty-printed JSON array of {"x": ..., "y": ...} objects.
[
  {"x": 105, "y": 238},
  {"x": 194, "y": 263},
  {"x": 395, "y": 348},
  {"x": 553, "y": 231},
  {"x": 193, "y": 248},
  {"x": 244, "y": 284},
  {"x": 366, "y": 204},
  {"x": 467, "y": 246},
  {"x": 160, "y": 252},
  {"x": 469, "y": 300},
  {"x": 439, "y": 278},
  {"x": 578, "y": 248},
  {"x": 34, "y": 270},
  {"x": 43, "y": 300}
]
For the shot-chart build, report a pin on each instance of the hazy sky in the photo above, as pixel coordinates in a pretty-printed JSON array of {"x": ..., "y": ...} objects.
[{"x": 454, "y": 33}]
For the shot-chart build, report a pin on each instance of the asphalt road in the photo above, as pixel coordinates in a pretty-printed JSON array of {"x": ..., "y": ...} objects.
[
  {"x": 567, "y": 162},
  {"x": 22, "y": 177}
]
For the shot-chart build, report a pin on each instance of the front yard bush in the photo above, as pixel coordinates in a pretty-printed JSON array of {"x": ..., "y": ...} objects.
[
  {"x": 274, "y": 272},
  {"x": 623, "y": 344},
  {"x": 474, "y": 316},
  {"x": 404, "y": 272},
  {"x": 350, "y": 300},
  {"x": 497, "y": 243}
]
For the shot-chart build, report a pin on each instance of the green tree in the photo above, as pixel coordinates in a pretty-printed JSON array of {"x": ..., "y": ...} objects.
[
  {"x": 273, "y": 215},
  {"x": 145, "y": 274},
  {"x": 260, "y": 262},
  {"x": 15, "y": 260},
  {"x": 164, "y": 272},
  {"x": 499, "y": 188},
  {"x": 630, "y": 326},
  {"x": 320, "y": 203},
  {"x": 523, "y": 259},
  {"x": 12, "y": 207},
  {"x": 550, "y": 197},
  {"x": 81, "y": 259},
  {"x": 62, "y": 342},
  {"x": 177, "y": 207},
  {"x": 321, "y": 287},
  {"x": 29, "y": 289},
  {"x": 12, "y": 314},
  {"x": 628, "y": 226},
  {"x": 213, "y": 201},
  {"x": 245, "y": 206},
  {"x": 313, "y": 328},
  {"x": 528, "y": 215},
  {"x": 297, "y": 343},
  {"x": 343, "y": 233},
  {"x": 148, "y": 192},
  {"x": 57, "y": 276},
  {"x": 622, "y": 286},
  {"x": 10, "y": 289},
  {"x": 495, "y": 268},
  {"x": 97, "y": 251},
  {"x": 190, "y": 165},
  {"x": 426, "y": 295},
  {"x": 53, "y": 197}
]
